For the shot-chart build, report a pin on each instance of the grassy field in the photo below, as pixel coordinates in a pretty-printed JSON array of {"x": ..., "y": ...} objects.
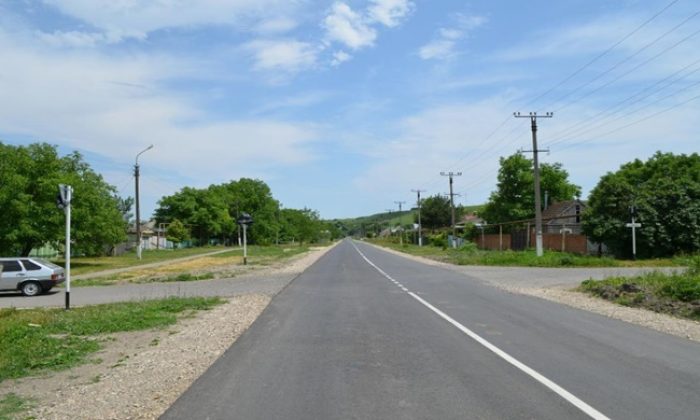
[
  {"x": 676, "y": 294},
  {"x": 32, "y": 341},
  {"x": 203, "y": 268},
  {"x": 84, "y": 265},
  {"x": 469, "y": 255}
]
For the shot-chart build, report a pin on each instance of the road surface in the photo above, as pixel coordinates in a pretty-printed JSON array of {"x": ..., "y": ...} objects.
[{"x": 365, "y": 334}]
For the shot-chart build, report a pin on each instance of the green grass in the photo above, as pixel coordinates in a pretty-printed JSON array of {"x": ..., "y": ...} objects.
[
  {"x": 84, "y": 265},
  {"x": 12, "y": 405},
  {"x": 470, "y": 255},
  {"x": 32, "y": 341},
  {"x": 676, "y": 294}
]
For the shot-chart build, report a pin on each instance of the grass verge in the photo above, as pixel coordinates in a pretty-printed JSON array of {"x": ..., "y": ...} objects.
[
  {"x": 32, "y": 341},
  {"x": 470, "y": 255},
  {"x": 203, "y": 268},
  {"x": 676, "y": 294},
  {"x": 12, "y": 405},
  {"x": 85, "y": 265}
]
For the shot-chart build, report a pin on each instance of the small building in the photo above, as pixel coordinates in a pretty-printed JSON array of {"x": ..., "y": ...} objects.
[{"x": 563, "y": 215}]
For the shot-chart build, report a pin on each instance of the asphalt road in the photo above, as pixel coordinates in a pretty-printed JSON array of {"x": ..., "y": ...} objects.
[{"x": 365, "y": 334}]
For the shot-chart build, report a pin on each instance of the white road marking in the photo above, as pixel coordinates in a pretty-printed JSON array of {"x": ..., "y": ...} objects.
[{"x": 571, "y": 398}]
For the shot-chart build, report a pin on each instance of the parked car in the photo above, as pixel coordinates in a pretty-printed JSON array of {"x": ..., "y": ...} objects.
[{"x": 31, "y": 276}]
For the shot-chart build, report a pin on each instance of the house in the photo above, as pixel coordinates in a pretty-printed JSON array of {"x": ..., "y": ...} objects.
[{"x": 564, "y": 214}]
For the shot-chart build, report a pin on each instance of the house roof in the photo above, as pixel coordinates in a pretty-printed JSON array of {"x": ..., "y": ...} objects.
[{"x": 561, "y": 208}]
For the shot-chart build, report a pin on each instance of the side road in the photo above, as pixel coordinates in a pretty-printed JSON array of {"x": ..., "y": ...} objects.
[
  {"x": 149, "y": 265},
  {"x": 267, "y": 281}
]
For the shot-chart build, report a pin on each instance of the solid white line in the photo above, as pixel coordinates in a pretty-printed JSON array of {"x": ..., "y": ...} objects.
[{"x": 571, "y": 398}]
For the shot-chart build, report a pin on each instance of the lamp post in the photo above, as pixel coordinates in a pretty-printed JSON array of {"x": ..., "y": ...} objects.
[{"x": 138, "y": 211}]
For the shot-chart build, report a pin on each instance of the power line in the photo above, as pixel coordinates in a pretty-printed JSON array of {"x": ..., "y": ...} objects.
[{"x": 624, "y": 60}]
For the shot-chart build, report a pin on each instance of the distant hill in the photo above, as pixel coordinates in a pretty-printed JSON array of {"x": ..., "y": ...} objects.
[{"x": 377, "y": 222}]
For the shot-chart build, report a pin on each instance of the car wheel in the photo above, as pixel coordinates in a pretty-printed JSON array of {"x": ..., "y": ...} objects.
[{"x": 31, "y": 288}]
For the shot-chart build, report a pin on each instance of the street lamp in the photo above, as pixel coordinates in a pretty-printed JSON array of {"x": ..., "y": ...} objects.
[{"x": 138, "y": 213}]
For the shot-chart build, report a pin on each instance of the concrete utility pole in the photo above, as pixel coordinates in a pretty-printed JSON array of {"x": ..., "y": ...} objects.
[
  {"x": 138, "y": 211},
  {"x": 452, "y": 205},
  {"x": 538, "y": 200},
  {"x": 400, "y": 203},
  {"x": 420, "y": 236}
]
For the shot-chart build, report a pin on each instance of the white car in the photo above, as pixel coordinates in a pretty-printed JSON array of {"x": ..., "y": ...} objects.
[{"x": 31, "y": 276}]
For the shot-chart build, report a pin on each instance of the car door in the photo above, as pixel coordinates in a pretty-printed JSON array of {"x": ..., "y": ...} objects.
[{"x": 11, "y": 275}]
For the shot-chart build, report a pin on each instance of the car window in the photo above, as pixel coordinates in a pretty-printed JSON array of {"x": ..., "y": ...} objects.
[
  {"x": 8, "y": 266},
  {"x": 47, "y": 263},
  {"x": 30, "y": 266}
]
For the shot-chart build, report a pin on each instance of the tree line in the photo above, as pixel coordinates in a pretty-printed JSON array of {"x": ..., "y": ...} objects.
[
  {"x": 29, "y": 179},
  {"x": 662, "y": 192}
]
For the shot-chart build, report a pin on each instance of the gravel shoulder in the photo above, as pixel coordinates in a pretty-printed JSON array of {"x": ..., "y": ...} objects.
[
  {"x": 558, "y": 284},
  {"x": 138, "y": 375}
]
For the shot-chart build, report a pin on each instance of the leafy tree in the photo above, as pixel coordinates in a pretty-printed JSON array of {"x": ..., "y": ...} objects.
[
  {"x": 29, "y": 178},
  {"x": 665, "y": 192},
  {"x": 435, "y": 212},
  {"x": 177, "y": 231},
  {"x": 125, "y": 205},
  {"x": 205, "y": 211},
  {"x": 514, "y": 198},
  {"x": 300, "y": 225}
]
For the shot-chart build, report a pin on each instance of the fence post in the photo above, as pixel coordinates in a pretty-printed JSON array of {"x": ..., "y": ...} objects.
[{"x": 500, "y": 237}]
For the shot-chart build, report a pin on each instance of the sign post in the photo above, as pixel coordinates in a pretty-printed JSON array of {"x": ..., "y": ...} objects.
[
  {"x": 65, "y": 195},
  {"x": 245, "y": 220},
  {"x": 634, "y": 227}
]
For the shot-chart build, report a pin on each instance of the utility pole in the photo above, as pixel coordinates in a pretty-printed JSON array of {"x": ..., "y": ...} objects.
[
  {"x": 538, "y": 200},
  {"x": 138, "y": 212},
  {"x": 452, "y": 205},
  {"x": 418, "y": 202},
  {"x": 400, "y": 203}
]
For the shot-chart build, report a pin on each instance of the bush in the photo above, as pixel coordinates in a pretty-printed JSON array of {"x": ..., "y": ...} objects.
[
  {"x": 439, "y": 240},
  {"x": 686, "y": 289}
]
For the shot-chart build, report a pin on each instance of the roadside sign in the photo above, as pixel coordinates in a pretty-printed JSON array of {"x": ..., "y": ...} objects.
[{"x": 633, "y": 225}]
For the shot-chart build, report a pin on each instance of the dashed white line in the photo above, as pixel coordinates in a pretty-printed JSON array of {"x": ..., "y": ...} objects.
[{"x": 571, "y": 398}]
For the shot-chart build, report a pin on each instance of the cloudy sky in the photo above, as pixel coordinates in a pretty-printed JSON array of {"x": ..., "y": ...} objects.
[{"x": 345, "y": 106}]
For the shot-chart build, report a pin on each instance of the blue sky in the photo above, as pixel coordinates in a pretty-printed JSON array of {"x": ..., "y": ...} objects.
[{"x": 345, "y": 106}]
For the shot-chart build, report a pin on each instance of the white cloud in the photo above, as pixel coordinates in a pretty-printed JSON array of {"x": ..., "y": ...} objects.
[
  {"x": 113, "y": 106},
  {"x": 78, "y": 39},
  {"x": 286, "y": 55},
  {"x": 442, "y": 47},
  {"x": 276, "y": 25},
  {"x": 340, "y": 57},
  {"x": 389, "y": 12},
  {"x": 348, "y": 27},
  {"x": 138, "y": 18}
]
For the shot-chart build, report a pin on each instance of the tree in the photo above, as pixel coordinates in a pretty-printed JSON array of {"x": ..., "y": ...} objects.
[
  {"x": 205, "y": 211},
  {"x": 665, "y": 192},
  {"x": 177, "y": 231},
  {"x": 435, "y": 212},
  {"x": 29, "y": 178},
  {"x": 300, "y": 225},
  {"x": 514, "y": 198}
]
